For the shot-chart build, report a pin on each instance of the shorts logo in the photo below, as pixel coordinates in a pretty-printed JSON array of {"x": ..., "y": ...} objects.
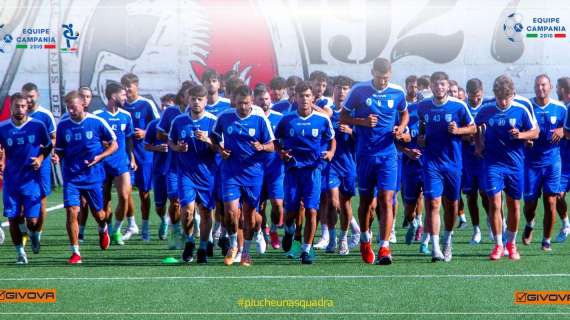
[
  {"x": 9, "y": 142},
  {"x": 315, "y": 132},
  {"x": 137, "y": 115},
  {"x": 448, "y": 117},
  {"x": 291, "y": 132},
  {"x": 390, "y": 104},
  {"x": 553, "y": 119},
  {"x": 89, "y": 135},
  {"x": 369, "y": 102},
  {"x": 31, "y": 139},
  {"x": 512, "y": 122},
  {"x": 123, "y": 126},
  {"x": 183, "y": 134},
  {"x": 491, "y": 122},
  {"x": 251, "y": 132}
]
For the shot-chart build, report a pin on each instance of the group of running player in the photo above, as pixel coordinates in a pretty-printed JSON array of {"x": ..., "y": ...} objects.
[{"x": 218, "y": 152}]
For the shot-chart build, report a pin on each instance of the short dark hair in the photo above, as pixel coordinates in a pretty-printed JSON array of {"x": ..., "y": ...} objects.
[
  {"x": 210, "y": 74},
  {"x": 542, "y": 75},
  {"x": 437, "y": 76},
  {"x": 278, "y": 83},
  {"x": 503, "y": 86},
  {"x": 129, "y": 78},
  {"x": 242, "y": 90},
  {"x": 85, "y": 88},
  {"x": 30, "y": 87},
  {"x": 564, "y": 83},
  {"x": 474, "y": 85},
  {"x": 15, "y": 97},
  {"x": 198, "y": 91},
  {"x": 72, "y": 95},
  {"x": 113, "y": 88},
  {"x": 232, "y": 84},
  {"x": 382, "y": 65},
  {"x": 318, "y": 76},
  {"x": 411, "y": 79},
  {"x": 423, "y": 82},
  {"x": 260, "y": 89},
  {"x": 342, "y": 81},
  {"x": 293, "y": 81},
  {"x": 231, "y": 74},
  {"x": 183, "y": 91},
  {"x": 169, "y": 97},
  {"x": 453, "y": 83},
  {"x": 302, "y": 87}
]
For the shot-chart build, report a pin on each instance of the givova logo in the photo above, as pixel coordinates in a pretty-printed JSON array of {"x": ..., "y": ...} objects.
[
  {"x": 27, "y": 295},
  {"x": 542, "y": 297}
]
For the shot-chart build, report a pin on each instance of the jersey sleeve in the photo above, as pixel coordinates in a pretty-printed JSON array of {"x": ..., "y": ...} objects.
[
  {"x": 352, "y": 100},
  {"x": 481, "y": 117},
  {"x": 328, "y": 131},
  {"x": 465, "y": 116},
  {"x": 174, "y": 133},
  {"x": 129, "y": 129},
  {"x": 45, "y": 139},
  {"x": 153, "y": 112},
  {"x": 59, "y": 138},
  {"x": 402, "y": 103},
  {"x": 150, "y": 136},
  {"x": 567, "y": 121},
  {"x": 165, "y": 122},
  {"x": 50, "y": 123},
  {"x": 279, "y": 130},
  {"x": 266, "y": 134},
  {"x": 107, "y": 133},
  {"x": 527, "y": 122}
]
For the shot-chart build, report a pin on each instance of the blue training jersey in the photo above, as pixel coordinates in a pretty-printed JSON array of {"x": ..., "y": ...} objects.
[
  {"x": 306, "y": 137},
  {"x": 500, "y": 148},
  {"x": 217, "y": 107},
  {"x": 470, "y": 160},
  {"x": 46, "y": 117},
  {"x": 244, "y": 164},
  {"x": 272, "y": 160},
  {"x": 343, "y": 160},
  {"x": 413, "y": 129},
  {"x": 199, "y": 161},
  {"x": 159, "y": 159},
  {"x": 163, "y": 126},
  {"x": 80, "y": 142},
  {"x": 122, "y": 125},
  {"x": 142, "y": 111},
  {"x": 549, "y": 117},
  {"x": 20, "y": 143},
  {"x": 283, "y": 106},
  {"x": 364, "y": 99},
  {"x": 442, "y": 147}
]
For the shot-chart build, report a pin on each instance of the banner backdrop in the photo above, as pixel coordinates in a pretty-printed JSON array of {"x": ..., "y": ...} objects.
[{"x": 63, "y": 44}]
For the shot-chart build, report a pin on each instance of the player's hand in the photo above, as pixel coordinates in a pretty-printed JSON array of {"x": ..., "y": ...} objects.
[
  {"x": 285, "y": 155},
  {"x": 371, "y": 121},
  {"x": 529, "y": 143},
  {"x": 106, "y": 144},
  {"x": 163, "y": 147},
  {"x": 225, "y": 153},
  {"x": 93, "y": 162},
  {"x": 55, "y": 158},
  {"x": 139, "y": 133},
  {"x": 514, "y": 132},
  {"x": 257, "y": 146},
  {"x": 452, "y": 128},
  {"x": 36, "y": 163},
  {"x": 202, "y": 136},
  {"x": 397, "y": 132},
  {"x": 557, "y": 135},
  {"x": 413, "y": 154},
  {"x": 181, "y": 146},
  {"x": 345, "y": 128},
  {"x": 133, "y": 164},
  {"x": 327, "y": 155},
  {"x": 422, "y": 140}
]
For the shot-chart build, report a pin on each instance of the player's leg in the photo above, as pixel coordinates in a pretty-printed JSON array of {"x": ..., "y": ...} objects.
[
  {"x": 551, "y": 188},
  {"x": 532, "y": 186},
  {"x": 310, "y": 188},
  {"x": 82, "y": 218},
  {"x": 124, "y": 189},
  {"x": 276, "y": 222},
  {"x": 333, "y": 195},
  {"x": 45, "y": 191},
  {"x": 249, "y": 222},
  {"x": 206, "y": 213},
  {"x": 187, "y": 215},
  {"x": 13, "y": 211},
  {"x": 232, "y": 212},
  {"x": 16, "y": 235},
  {"x": 562, "y": 209},
  {"x": 345, "y": 217},
  {"x": 71, "y": 201},
  {"x": 514, "y": 187},
  {"x": 366, "y": 206},
  {"x": 495, "y": 204},
  {"x": 323, "y": 214},
  {"x": 94, "y": 198},
  {"x": 292, "y": 208},
  {"x": 160, "y": 197},
  {"x": 385, "y": 213}
]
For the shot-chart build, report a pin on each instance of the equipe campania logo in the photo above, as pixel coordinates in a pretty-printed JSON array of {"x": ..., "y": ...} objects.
[
  {"x": 27, "y": 295},
  {"x": 516, "y": 28}
]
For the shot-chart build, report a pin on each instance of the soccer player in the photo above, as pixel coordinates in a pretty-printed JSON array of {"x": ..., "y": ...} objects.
[
  {"x": 86, "y": 96},
  {"x": 117, "y": 165},
  {"x": 190, "y": 140},
  {"x": 502, "y": 127},
  {"x": 444, "y": 121},
  {"x": 211, "y": 81},
  {"x": 461, "y": 94},
  {"x": 340, "y": 177},
  {"x": 273, "y": 170},
  {"x": 25, "y": 143},
  {"x": 543, "y": 162},
  {"x": 30, "y": 91},
  {"x": 246, "y": 134},
  {"x": 79, "y": 144},
  {"x": 142, "y": 111},
  {"x": 563, "y": 92},
  {"x": 278, "y": 86},
  {"x": 375, "y": 104},
  {"x": 288, "y": 105},
  {"x": 472, "y": 177},
  {"x": 306, "y": 140}
]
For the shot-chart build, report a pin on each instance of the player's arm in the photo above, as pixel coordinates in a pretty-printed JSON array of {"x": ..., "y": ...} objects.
[
  {"x": 399, "y": 129},
  {"x": 567, "y": 133},
  {"x": 369, "y": 122},
  {"x": 461, "y": 131},
  {"x": 413, "y": 154},
  {"x": 130, "y": 151},
  {"x": 43, "y": 153},
  {"x": 329, "y": 154},
  {"x": 479, "y": 140},
  {"x": 325, "y": 110},
  {"x": 161, "y": 135}
]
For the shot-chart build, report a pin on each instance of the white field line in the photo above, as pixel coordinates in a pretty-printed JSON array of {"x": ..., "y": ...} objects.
[{"x": 286, "y": 313}]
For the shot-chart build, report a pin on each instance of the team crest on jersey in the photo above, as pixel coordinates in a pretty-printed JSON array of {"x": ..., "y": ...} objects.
[
  {"x": 390, "y": 104},
  {"x": 448, "y": 117},
  {"x": 137, "y": 115},
  {"x": 491, "y": 122},
  {"x": 123, "y": 126},
  {"x": 291, "y": 132},
  {"x": 251, "y": 132},
  {"x": 315, "y": 132},
  {"x": 512, "y": 122},
  {"x": 369, "y": 102},
  {"x": 553, "y": 119},
  {"x": 31, "y": 139},
  {"x": 89, "y": 135},
  {"x": 183, "y": 134},
  {"x": 9, "y": 142},
  {"x": 230, "y": 129}
]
